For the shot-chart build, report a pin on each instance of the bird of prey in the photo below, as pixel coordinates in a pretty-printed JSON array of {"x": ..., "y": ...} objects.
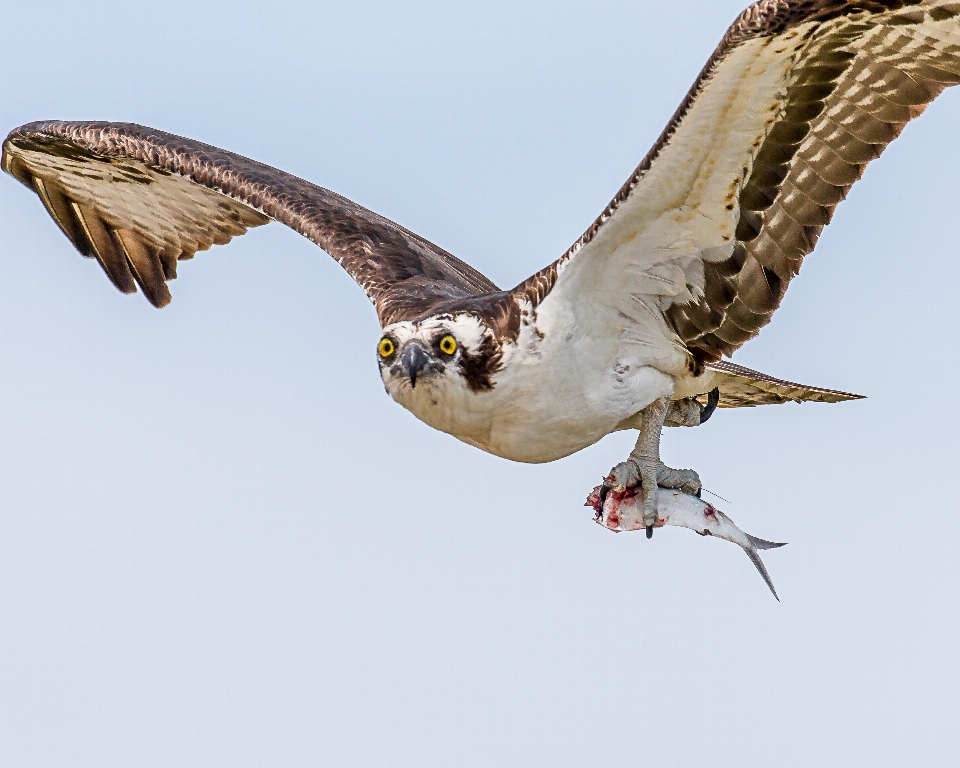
[{"x": 627, "y": 329}]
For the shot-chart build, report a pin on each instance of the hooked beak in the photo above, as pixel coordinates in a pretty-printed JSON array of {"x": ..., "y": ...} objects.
[{"x": 413, "y": 359}]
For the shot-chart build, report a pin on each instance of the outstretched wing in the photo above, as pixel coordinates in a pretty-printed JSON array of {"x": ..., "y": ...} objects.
[
  {"x": 694, "y": 254},
  {"x": 140, "y": 200}
]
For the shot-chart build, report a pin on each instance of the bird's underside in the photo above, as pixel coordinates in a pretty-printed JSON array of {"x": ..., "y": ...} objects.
[{"x": 629, "y": 327}]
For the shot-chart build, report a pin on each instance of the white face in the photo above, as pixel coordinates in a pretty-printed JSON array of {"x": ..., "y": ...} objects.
[{"x": 437, "y": 367}]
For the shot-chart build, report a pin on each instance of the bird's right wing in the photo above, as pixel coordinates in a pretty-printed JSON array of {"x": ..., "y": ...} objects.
[{"x": 139, "y": 200}]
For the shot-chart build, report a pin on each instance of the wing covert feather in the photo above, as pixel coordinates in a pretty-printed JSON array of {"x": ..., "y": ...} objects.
[{"x": 797, "y": 99}]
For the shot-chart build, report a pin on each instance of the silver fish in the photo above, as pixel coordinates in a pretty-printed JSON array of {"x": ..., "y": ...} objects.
[{"x": 624, "y": 512}]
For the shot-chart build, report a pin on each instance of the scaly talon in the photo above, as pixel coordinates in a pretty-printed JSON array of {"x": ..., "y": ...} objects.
[
  {"x": 622, "y": 477},
  {"x": 644, "y": 467},
  {"x": 648, "y": 481},
  {"x": 685, "y": 480},
  {"x": 625, "y": 475},
  {"x": 713, "y": 399}
]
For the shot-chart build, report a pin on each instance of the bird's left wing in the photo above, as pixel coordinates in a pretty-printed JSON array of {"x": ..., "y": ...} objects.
[
  {"x": 694, "y": 254},
  {"x": 140, "y": 200}
]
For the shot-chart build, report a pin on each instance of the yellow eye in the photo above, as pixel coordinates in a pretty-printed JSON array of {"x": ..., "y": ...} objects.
[
  {"x": 386, "y": 348},
  {"x": 448, "y": 345}
]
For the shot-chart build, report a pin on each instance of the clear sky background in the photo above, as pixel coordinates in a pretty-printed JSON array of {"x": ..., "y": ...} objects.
[{"x": 222, "y": 544}]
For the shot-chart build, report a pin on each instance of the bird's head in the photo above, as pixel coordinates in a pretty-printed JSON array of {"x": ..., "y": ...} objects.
[{"x": 437, "y": 355}]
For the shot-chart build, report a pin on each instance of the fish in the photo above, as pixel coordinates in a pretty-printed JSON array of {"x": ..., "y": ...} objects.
[{"x": 624, "y": 512}]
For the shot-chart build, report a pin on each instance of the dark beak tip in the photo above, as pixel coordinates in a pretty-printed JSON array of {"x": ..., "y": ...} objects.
[{"x": 413, "y": 359}]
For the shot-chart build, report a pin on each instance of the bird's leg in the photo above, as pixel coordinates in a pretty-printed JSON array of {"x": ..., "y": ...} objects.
[
  {"x": 644, "y": 467},
  {"x": 690, "y": 412},
  {"x": 646, "y": 455}
]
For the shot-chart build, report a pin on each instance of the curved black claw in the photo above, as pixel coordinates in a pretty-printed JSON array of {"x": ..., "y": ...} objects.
[
  {"x": 713, "y": 399},
  {"x": 604, "y": 490},
  {"x": 649, "y": 531}
]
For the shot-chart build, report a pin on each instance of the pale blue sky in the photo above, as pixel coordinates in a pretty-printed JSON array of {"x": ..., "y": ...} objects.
[{"x": 221, "y": 543}]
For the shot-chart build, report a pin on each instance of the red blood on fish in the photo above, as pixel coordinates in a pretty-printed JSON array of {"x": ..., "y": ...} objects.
[{"x": 593, "y": 500}]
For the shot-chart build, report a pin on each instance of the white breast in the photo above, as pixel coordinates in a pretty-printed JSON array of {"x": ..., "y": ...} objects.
[{"x": 556, "y": 393}]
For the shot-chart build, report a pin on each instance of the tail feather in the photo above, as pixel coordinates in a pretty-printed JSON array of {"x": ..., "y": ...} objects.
[{"x": 742, "y": 388}]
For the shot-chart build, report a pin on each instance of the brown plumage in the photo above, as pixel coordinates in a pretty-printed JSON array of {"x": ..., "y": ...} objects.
[
  {"x": 742, "y": 387},
  {"x": 862, "y": 70},
  {"x": 84, "y": 174},
  {"x": 853, "y": 74}
]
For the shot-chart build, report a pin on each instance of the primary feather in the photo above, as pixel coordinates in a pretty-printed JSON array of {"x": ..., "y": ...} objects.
[
  {"x": 139, "y": 199},
  {"x": 687, "y": 262}
]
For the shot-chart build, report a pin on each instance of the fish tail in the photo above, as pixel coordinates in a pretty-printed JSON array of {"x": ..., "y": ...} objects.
[
  {"x": 763, "y": 543},
  {"x": 755, "y": 559}
]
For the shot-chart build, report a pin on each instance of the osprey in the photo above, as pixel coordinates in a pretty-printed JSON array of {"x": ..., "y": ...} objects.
[{"x": 627, "y": 330}]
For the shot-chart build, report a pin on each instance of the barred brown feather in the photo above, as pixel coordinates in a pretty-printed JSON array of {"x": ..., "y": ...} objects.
[
  {"x": 860, "y": 72},
  {"x": 854, "y": 72},
  {"x": 139, "y": 200}
]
